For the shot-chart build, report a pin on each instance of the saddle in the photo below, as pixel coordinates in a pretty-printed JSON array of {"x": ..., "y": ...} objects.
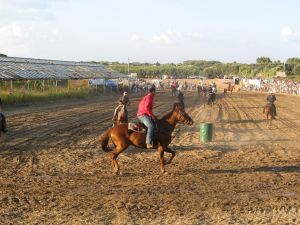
[{"x": 139, "y": 127}]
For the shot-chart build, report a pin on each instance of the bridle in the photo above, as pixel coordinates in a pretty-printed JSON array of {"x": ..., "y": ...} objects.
[{"x": 183, "y": 117}]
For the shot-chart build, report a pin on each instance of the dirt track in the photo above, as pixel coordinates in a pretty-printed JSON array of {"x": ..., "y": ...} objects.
[{"x": 52, "y": 173}]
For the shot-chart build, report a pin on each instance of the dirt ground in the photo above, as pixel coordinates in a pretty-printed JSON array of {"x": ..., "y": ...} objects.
[{"x": 51, "y": 171}]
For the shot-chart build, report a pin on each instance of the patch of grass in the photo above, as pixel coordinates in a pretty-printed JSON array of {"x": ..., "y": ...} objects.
[{"x": 19, "y": 97}]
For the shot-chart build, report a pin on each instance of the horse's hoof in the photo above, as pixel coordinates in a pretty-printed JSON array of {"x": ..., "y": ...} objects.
[
  {"x": 117, "y": 173},
  {"x": 162, "y": 171}
]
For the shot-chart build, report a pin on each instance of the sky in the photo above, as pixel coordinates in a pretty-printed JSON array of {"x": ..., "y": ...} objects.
[{"x": 150, "y": 30}]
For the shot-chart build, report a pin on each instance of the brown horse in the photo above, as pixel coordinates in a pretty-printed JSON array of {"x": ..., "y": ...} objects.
[
  {"x": 122, "y": 138},
  {"x": 268, "y": 111},
  {"x": 230, "y": 88}
]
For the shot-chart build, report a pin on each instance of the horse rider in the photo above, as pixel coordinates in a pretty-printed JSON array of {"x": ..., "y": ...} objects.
[
  {"x": 3, "y": 128},
  {"x": 174, "y": 86},
  {"x": 199, "y": 89},
  {"x": 209, "y": 89},
  {"x": 146, "y": 116},
  {"x": 214, "y": 88},
  {"x": 211, "y": 93},
  {"x": 271, "y": 99},
  {"x": 204, "y": 90},
  {"x": 123, "y": 102},
  {"x": 180, "y": 97}
]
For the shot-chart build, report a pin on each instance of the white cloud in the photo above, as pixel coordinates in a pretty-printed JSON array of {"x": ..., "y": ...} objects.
[
  {"x": 12, "y": 38},
  {"x": 12, "y": 31},
  {"x": 288, "y": 34},
  {"x": 135, "y": 37},
  {"x": 28, "y": 10},
  {"x": 171, "y": 36},
  {"x": 160, "y": 39},
  {"x": 194, "y": 36},
  {"x": 19, "y": 39}
]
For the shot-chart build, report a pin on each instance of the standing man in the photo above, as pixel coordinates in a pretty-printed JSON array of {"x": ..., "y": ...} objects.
[
  {"x": 180, "y": 97},
  {"x": 146, "y": 116},
  {"x": 3, "y": 127},
  {"x": 271, "y": 99}
]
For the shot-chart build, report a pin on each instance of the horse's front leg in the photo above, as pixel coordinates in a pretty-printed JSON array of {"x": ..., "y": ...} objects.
[
  {"x": 167, "y": 149},
  {"x": 160, "y": 151}
]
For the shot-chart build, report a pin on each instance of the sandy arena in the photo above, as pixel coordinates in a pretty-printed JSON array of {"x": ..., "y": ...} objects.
[{"x": 51, "y": 171}]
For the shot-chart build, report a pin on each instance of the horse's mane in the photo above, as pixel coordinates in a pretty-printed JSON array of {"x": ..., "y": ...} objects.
[{"x": 165, "y": 117}]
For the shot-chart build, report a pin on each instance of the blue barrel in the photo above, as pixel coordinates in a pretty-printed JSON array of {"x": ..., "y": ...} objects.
[{"x": 206, "y": 132}]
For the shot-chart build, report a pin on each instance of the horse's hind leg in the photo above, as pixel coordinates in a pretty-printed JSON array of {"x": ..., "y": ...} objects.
[
  {"x": 114, "y": 155},
  {"x": 169, "y": 150},
  {"x": 161, "y": 159}
]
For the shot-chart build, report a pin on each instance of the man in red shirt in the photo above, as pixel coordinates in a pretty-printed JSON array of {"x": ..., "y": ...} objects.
[{"x": 146, "y": 116}]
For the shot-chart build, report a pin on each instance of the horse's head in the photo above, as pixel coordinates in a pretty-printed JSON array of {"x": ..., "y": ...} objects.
[{"x": 181, "y": 115}]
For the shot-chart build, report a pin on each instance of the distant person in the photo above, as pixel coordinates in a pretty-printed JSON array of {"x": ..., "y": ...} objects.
[
  {"x": 271, "y": 99},
  {"x": 211, "y": 94},
  {"x": 199, "y": 89},
  {"x": 214, "y": 88},
  {"x": 3, "y": 127},
  {"x": 180, "y": 97}
]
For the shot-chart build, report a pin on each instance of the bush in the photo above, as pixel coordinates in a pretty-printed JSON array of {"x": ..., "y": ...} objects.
[{"x": 18, "y": 97}]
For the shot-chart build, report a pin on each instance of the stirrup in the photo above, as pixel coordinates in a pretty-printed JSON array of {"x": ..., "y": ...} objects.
[{"x": 149, "y": 146}]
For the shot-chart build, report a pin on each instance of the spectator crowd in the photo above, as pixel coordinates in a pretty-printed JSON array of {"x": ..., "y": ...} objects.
[{"x": 276, "y": 85}]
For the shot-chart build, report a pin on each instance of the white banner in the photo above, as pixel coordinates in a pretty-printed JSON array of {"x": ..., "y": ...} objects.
[{"x": 93, "y": 82}]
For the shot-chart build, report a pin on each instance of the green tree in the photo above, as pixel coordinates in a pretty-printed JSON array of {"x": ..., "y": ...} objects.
[
  {"x": 263, "y": 60},
  {"x": 297, "y": 69},
  {"x": 293, "y": 61}
]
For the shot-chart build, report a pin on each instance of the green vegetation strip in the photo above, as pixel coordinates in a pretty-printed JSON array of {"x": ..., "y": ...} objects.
[{"x": 17, "y": 97}]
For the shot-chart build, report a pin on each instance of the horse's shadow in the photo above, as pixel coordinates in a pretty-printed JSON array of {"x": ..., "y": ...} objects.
[
  {"x": 241, "y": 121},
  {"x": 204, "y": 146},
  {"x": 274, "y": 169}
]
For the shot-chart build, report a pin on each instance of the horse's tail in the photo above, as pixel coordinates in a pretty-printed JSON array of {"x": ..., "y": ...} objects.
[{"x": 103, "y": 140}]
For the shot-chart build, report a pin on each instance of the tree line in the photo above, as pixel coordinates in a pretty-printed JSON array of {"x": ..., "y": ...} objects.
[{"x": 264, "y": 67}]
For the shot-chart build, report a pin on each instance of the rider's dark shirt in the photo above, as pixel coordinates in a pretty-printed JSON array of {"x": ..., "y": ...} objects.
[
  {"x": 209, "y": 90},
  {"x": 271, "y": 98},
  {"x": 179, "y": 96}
]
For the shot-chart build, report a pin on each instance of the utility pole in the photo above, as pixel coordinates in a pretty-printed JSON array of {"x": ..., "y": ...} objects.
[{"x": 128, "y": 65}]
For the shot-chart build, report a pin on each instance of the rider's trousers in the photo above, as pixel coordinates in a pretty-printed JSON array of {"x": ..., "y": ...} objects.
[{"x": 150, "y": 125}]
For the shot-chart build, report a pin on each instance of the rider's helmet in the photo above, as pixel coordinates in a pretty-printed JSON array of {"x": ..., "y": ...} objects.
[
  {"x": 152, "y": 89},
  {"x": 179, "y": 88},
  {"x": 125, "y": 93},
  {"x": 270, "y": 92}
]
